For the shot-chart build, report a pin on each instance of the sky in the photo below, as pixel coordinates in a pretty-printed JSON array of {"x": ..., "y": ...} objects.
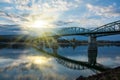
[{"x": 59, "y": 13}]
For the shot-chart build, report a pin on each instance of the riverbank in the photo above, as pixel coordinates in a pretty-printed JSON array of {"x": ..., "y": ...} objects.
[{"x": 113, "y": 74}]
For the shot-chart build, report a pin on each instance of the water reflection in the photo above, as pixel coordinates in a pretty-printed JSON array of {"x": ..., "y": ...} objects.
[
  {"x": 43, "y": 62},
  {"x": 26, "y": 66},
  {"x": 92, "y": 54},
  {"x": 73, "y": 64}
]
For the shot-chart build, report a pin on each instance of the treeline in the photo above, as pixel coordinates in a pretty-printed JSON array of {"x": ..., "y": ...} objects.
[{"x": 85, "y": 41}]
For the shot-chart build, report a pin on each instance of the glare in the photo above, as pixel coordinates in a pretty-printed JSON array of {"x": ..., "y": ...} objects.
[
  {"x": 39, "y": 60},
  {"x": 43, "y": 20},
  {"x": 39, "y": 24}
]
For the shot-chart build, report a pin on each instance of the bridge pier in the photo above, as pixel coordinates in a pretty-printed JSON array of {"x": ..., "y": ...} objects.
[
  {"x": 92, "y": 50},
  {"x": 92, "y": 40},
  {"x": 92, "y": 43}
]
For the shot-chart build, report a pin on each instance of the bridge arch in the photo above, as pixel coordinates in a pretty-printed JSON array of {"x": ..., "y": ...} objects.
[
  {"x": 107, "y": 29},
  {"x": 72, "y": 31}
]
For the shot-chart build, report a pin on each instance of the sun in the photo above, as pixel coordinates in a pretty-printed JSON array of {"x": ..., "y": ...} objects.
[
  {"x": 39, "y": 24},
  {"x": 39, "y": 21}
]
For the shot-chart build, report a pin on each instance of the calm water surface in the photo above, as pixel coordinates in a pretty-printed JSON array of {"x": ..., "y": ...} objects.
[{"x": 24, "y": 62}]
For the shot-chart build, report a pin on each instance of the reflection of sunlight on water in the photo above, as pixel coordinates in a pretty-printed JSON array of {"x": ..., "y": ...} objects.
[
  {"x": 31, "y": 68},
  {"x": 45, "y": 66},
  {"x": 38, "y": 60}
]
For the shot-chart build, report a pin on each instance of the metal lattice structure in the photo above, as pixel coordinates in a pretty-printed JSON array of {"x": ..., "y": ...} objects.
[
  {"x": 71, "y": 65},
  {"x": 80, "y": 65},
  {"x": 73, "y": 31},
  {"x": 108, "y": 29}
]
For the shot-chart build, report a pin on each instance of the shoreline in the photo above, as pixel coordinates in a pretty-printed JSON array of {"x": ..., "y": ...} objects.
[{"x": 113, "y": 74}]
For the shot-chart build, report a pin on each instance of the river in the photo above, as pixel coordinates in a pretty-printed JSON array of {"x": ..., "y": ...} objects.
[{"x": 24, "y": 62}]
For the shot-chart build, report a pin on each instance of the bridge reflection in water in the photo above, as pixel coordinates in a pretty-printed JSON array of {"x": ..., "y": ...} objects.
[
  {"x": 67, "y": 62},
  {"x": 75, "y": 64}
]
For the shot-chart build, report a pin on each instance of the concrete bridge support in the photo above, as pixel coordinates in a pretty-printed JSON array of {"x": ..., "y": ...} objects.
[
  {"x": 92, "y": 50},
  {"x": 92, "y": 40},
  {"x": 92, "y": 43}
]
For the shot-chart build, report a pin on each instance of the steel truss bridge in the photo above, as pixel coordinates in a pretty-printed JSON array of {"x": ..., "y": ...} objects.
[
  {"x": 105, "y": 30},
  {"x": 112, "y": 28}
]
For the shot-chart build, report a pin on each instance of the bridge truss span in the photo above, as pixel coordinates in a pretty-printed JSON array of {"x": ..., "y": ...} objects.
[
  {"x": 108, "y": 29},
  {"x": 72, "y": 31},
  {"x": 105, "y": 30},
  {"x": 114, "y": 26}
]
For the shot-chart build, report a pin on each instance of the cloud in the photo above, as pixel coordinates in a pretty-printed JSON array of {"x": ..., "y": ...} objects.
[
  {"x": 57, "y": 5},
  {"x": 11, "y": 17},
  {"x": 7, "y": 1},
  {"x": 20, "y": 10},
  {"x": 45, "y": 70},
  {"x": 84, "y": 21},
  {"x": 35, "y": 7},
  {"x": 112, "y": 62},
  {"x": 104, "y": 11},
  {"x": 94, "y": 16}
]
